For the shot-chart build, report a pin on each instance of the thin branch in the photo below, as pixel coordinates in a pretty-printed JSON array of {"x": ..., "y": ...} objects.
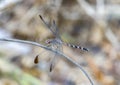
[
  {"x": 50, "y": 49},
  {"x": 26, "y": 42}
]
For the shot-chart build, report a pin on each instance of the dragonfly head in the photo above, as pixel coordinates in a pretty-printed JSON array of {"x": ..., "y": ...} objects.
[{"x": 49, "y": 41}]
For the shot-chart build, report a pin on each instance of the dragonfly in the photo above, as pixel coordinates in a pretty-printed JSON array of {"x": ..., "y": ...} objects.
[
  {"x": 56, "y": 43},
  {"x": 56, "y": 46}
]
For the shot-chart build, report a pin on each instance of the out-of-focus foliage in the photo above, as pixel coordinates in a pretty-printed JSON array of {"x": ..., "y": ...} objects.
[{"x": 90, "y": 23}]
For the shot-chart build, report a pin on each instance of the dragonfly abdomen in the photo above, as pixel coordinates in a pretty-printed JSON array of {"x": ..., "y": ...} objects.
[{"x": 77, "y": 47}]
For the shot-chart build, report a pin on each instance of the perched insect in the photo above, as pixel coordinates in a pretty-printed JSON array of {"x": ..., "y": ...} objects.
[
  {"x": 55, "y": 46},
  {"x": 55, "y": 43}
]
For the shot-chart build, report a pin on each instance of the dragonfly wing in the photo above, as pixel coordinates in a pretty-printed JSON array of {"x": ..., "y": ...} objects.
[
  {"x": 52, "y": 27},
  {"x": 47, "y": 25},
  {"x": 55, "y": 29},
  {"x": 36, "y": 59},
  {"x": 55, "y": 58},
  {"x": 43, "y": 52},
  {"x": 53, "y": 62}
]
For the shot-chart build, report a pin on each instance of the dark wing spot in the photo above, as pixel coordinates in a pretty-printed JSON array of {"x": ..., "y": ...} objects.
[
  {"x": 36, "y": 60},
  {"x": 40, "y": 17},
  {"x": 50, "y": 67}
]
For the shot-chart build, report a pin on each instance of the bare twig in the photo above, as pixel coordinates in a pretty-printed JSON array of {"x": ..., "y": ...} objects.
[{"x": 50, "y": 49}]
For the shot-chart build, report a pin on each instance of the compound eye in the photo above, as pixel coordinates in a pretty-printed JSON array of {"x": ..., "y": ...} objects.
[{"x": 48, "y": 41}]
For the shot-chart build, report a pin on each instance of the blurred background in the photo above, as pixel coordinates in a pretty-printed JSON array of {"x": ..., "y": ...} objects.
[{"x": 94, "y": 24}]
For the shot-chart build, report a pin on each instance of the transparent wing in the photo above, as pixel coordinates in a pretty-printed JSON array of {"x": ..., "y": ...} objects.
[
  {"x": 55, "y": 58},
  {"x": 43, "y": 53},
  {"x": 56, "y": 30},
  {"x": 52, "y": 27},
  {"x": 53, "y": 62}
]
